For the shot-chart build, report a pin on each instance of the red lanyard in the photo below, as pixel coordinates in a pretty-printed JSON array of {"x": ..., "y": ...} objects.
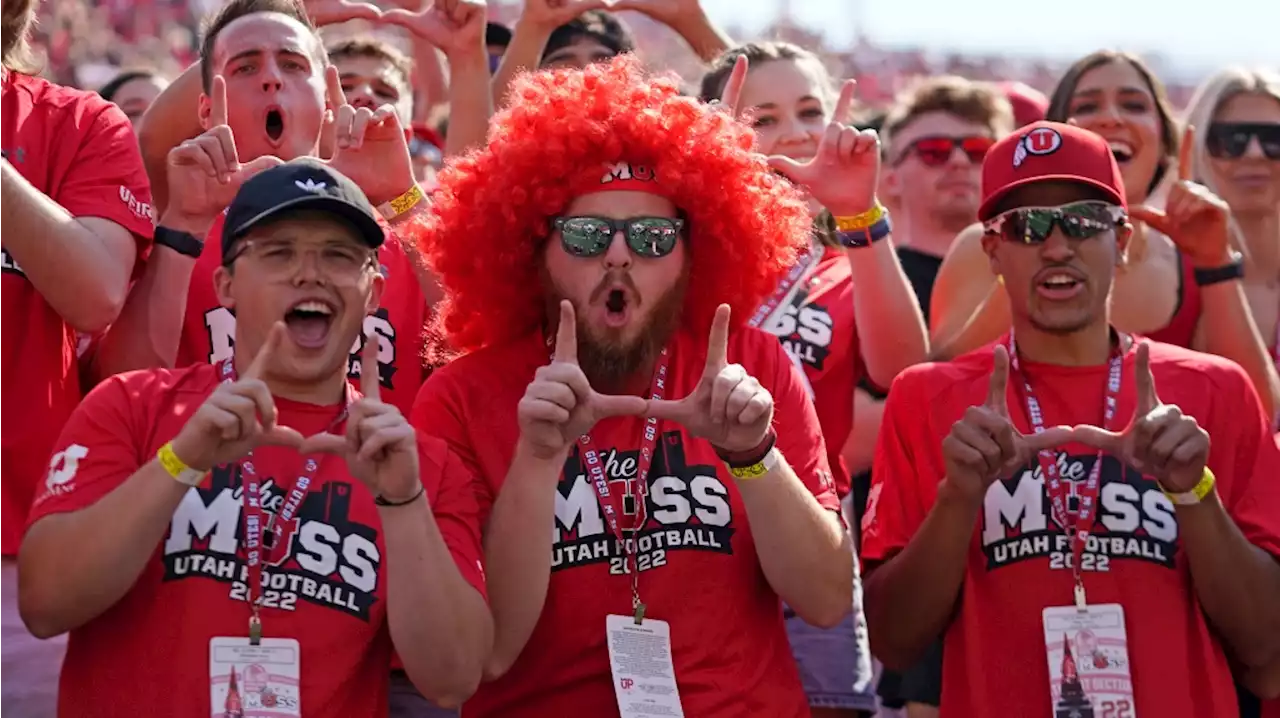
[
  {"x": 648, "y": 444},
  {"x": 253, "y": 514},
  {"x": 1079, "y": 524},
  {"x": 798, "y": 271}
]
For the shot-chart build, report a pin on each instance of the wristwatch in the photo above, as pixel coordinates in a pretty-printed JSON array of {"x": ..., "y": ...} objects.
[
  {"x": 183, "y": 243},
  {"x": 1225, "y": 273}
]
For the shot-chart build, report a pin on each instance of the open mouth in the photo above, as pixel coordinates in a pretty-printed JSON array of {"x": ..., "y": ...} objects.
[
  {"x": 617, "y": 308},
  {"x": 1122, "y": 151},
  {"x": 1059, "y": 285},
  {"x": 275, "y": 124},
  {"x": 309, "y": 322}
]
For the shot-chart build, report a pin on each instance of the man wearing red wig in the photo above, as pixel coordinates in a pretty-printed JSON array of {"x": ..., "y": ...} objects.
[{"x": 609, "y": 227}]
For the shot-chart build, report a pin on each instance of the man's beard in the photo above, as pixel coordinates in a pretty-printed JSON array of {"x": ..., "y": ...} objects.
[
  {"x": 609, "y": 362},
  {"x": 955, "y": 219}
]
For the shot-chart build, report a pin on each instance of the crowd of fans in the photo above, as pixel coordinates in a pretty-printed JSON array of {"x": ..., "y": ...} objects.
[{"x": 852, "y": 382}]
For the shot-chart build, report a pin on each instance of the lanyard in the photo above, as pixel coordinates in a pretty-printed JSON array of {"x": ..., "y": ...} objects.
[
  {"x": 648, "y": 444},
  {"x": 1079, "y": 524},
  {"x": 798, "y": 271},
  {"x": 254, "y": 529}
]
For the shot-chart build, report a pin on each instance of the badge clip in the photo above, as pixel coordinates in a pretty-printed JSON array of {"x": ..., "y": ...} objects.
[
  {"x": 1081, "y": 605},
  {"x": 639, "y": 613},
  {"x": 255, "y": 631}
]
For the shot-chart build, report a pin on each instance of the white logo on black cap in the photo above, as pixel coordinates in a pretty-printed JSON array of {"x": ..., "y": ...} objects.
[
  {"x": 310, "y": 185},
  {"x": 1040, "y": 141}
]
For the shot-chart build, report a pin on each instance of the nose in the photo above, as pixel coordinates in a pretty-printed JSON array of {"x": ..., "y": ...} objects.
[
  {"x": 306, "y": 268},
  {"x": 1253, "y": 150},
  {"x": 272, "y": 78},
  {"x": 618, "y": 255},
  {"x": 1058, "y": 248},
  {"x": 361, "y": 96}
]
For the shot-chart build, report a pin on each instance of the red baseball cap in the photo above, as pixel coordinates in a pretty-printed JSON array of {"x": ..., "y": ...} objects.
[
  {"x": 1029, "y": 104},
  {"x": 1048, "y": 151}
]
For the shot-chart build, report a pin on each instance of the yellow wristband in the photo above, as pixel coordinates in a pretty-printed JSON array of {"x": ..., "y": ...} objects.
[
  {"x": 861, "y": 220},
  {"x": 403, "y": 203},
  {"x": 180, "y": 472},
  {"x": 756, "y": 470},
  {"x": 1197, "y": 493}
]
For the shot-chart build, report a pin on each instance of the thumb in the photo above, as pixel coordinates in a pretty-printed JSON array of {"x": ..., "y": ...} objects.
[
  {"x": 1110, "y": 442},
  {"x": 261, "y": 164},
  {"x": 281, "y": 436},
  {"x": 1151, "y": 216},
  {"x": 324, "y": 443},
  {"x": 608, "y": 405},
  {"x": 785, "y": 165},
  {"x": 667, "y": 409}
]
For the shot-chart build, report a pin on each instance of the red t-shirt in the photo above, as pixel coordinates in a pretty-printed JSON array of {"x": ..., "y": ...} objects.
[
  {"x": 994, "y": 661},
  {"x": 208, "y": 334},
  {"x": 817, "y": 329},
  {"x": 80, "y": 151},
  {"x": 149, "y": 652},
  {"x": 699, "y": 569}
]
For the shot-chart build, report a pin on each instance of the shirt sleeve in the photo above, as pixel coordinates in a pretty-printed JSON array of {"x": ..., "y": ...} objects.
[
  {"x": 453, "y": 503},
  {"x": 97, "y": 451},
  {"x": 437, "y": 412},
  {"x": 106, "y": 178},
  {"x": 796, "y": 423},
  {"x": 894, "y": 506},
  {"x": 1249, "y": 461}
]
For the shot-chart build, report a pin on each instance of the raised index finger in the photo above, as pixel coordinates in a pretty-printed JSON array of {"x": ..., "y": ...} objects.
[
  {"x": 567, "y": 334},
  {"x": 718, "y": 341},
  {"x": 1146, "y": 383},
  {"x": 369, "y": 369},
  {"x": 218, "y": 102},
  {"x": 997, "y": 399},
  {"x": 844, "y": 105},
  {"x": 258, "y": 368},
  {"x": 732, "y": 95},
  {"x": 333, "y": 84},
  {"x": 1185, "y": 153}
]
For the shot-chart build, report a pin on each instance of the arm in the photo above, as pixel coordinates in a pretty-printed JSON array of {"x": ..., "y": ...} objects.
[
  {"x": 969, "y": 308},
  {"x": 703, "y": 37},
  {"x": 1237, "y": 583},
  {"x": 805, "y": 552},
  {"x": 922, "y": 581},
  {"x": 430, "y": 80},
  {"x": 439, "y": 622},
  {"x": 171, "y": 120},
  {"x": 80, "y": 265},
  {"x": 518, "y": 561},
  {"x": 147, "y": 333},
  {"x": 860, "y": 447},
  {"x": 74, "y": 566},
  {"x": 528, "y": 38},
  {"x": 891, "y": 331},
  {"x": 1226, "y": 328}
]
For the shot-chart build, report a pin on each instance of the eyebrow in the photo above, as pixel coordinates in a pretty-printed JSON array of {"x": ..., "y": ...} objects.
[
  {"x": 1123, "y": 90},
  {"x": 774, "y": 105},
  {"x": 258, "y": 52}
]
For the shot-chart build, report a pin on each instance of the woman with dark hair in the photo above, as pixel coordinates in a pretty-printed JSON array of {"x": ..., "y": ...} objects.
[
  {"x": 843, "y": 314},
  {"x": 133, "y": 91},
  {"x": 1180, "y": 279}
]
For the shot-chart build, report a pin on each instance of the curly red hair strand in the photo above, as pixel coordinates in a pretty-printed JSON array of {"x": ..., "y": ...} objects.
[{"x": 493, "y": 208}]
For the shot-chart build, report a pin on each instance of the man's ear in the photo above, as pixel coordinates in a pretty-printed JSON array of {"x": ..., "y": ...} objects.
[
  {"x": 375, "y": 292},
  {"x": 222, "y": 280},
  {"x": 890, "y": 188},
  {"x": 203, "y": 109},
  {"x": 989, "y": 244},
  {"x": 1124, "y": 233}
]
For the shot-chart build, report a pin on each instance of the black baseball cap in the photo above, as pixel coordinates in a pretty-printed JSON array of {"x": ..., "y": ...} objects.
[{"x": 302, "y": 184}]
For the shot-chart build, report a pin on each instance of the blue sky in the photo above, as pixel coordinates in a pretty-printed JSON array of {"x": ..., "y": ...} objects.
[{"x": 1191, "y": 34}]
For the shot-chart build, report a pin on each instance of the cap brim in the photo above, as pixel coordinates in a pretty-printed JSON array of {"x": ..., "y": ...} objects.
[
  {"x": 368, "y": 228},
  {"x": 985, "y": 209}
]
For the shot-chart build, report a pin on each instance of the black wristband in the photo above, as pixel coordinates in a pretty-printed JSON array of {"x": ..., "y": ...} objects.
[
  {"x": 380, "y": 501},
  {"x": 183, "y": 243},
  {"x": 750, "y": 457},
  {"x": 1225, "y": 273}
]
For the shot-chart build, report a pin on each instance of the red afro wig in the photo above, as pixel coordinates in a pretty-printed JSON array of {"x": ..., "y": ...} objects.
[{"x": 493, "y": 208}]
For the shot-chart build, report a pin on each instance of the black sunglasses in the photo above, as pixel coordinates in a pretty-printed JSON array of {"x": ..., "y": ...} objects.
[
  {"x": 1078, "y": 220},
  {"x": 1230, "y": 140},
  {"x": 591, "y": 236}
]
